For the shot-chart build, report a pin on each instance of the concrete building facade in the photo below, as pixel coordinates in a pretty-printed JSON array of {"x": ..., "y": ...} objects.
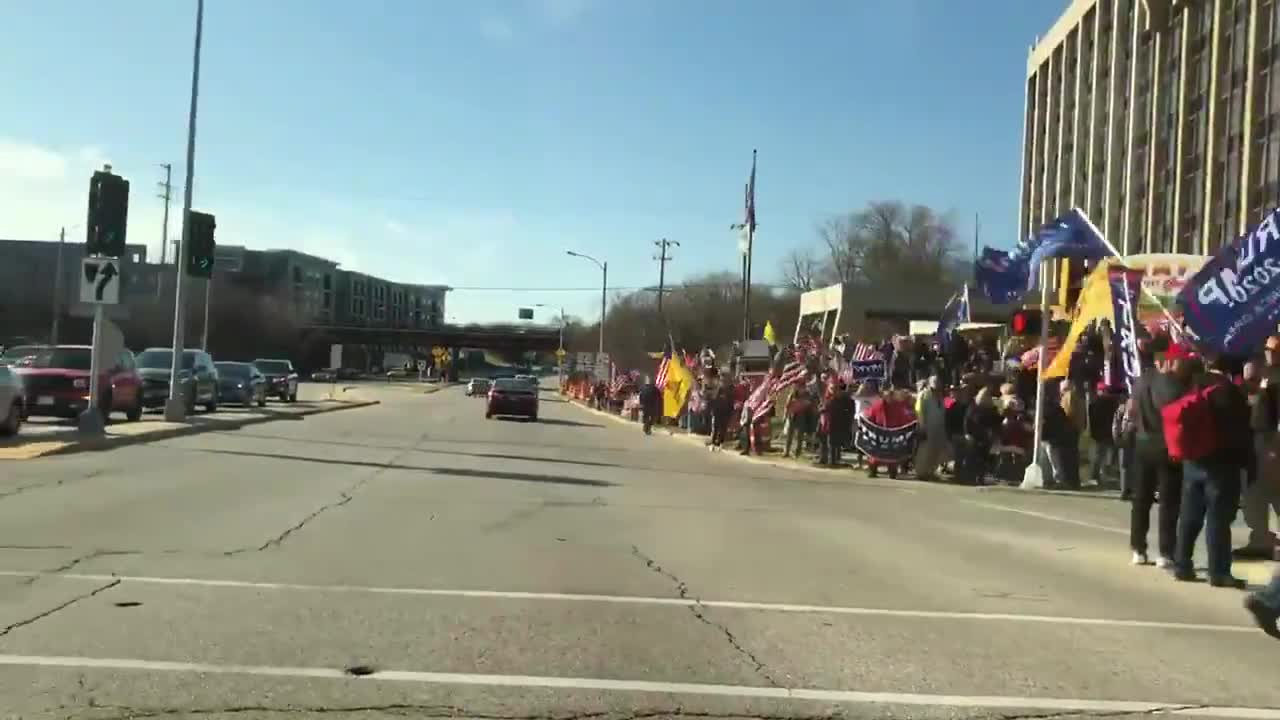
[{"x": 1159, "y": 118}]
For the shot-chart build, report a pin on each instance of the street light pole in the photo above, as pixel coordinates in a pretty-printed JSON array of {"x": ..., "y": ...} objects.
[
  {"x": 604, "y": 289},
  {"x": 57, "y": 288},
  {"x": 175, "y": 409}
]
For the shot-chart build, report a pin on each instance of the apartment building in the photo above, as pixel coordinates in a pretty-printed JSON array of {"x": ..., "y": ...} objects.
[{"x": 1159, "y": 118}]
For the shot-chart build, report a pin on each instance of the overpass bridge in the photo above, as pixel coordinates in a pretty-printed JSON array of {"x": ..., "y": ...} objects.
[{"x": 510, "y": 340}]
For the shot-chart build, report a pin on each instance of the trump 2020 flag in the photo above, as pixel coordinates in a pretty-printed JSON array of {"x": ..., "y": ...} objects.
[
  {"x": 1124, "y": 299},
  {"x": 954, "y": 315},
  {"x": 1000, "y": 277},
  {"x": 1233, "y": 303}
]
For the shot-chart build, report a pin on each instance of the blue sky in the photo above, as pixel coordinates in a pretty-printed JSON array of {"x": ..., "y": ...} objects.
[{"x": 471, "y": 143}]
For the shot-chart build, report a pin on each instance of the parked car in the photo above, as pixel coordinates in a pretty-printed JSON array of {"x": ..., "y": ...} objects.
[
  {"x": 512, "y": 397},
  {"x": 56, "y": 383},
  {"x": 198, "y": 378},
  {"x": 327, "y": 375},
  {"x": 478, "y": 386},
  {"x": 241, "y": 383},
  {"x": 282, "y": 379},
  {"x": 12, "y": 401}
]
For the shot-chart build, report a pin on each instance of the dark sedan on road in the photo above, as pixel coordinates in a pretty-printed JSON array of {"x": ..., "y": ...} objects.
[
  {"x": 241, "y": 383},
  {"x": 197, "y": 377},
  {"x": 282, "y": 379},
  {"x": 509, "y": 396}
]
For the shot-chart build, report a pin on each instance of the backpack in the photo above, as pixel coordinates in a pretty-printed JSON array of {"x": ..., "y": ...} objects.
[{"x": 1190, "y": 429}]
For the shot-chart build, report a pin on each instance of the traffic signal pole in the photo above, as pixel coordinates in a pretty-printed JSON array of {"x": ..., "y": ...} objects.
[
  {"x": 175, "y": 409},
  {"x": 208, "y": 295}
]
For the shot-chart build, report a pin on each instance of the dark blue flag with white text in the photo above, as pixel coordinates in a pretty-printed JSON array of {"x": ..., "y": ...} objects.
[
  {"x": 1123, "y": 366},
  {"x": 1233, "y": 303},
  {"x": 1004, "y": 276}
]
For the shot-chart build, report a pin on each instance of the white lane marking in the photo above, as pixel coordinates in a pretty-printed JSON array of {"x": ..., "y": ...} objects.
[
  {"x": 647, "y": 686},
  {"x": 1045, "y": 516},
  {"x": 641, "y": 600}
]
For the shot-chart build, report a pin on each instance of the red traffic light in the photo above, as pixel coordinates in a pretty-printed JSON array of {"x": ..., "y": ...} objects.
[{"x": 1025, "y": 322}]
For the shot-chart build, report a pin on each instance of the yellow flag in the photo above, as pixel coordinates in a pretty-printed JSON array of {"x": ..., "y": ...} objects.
[
  {"x": 1094, "y": 304},
  {"x": 679, "y": 385},
  {"x": 769, "y": 336}
]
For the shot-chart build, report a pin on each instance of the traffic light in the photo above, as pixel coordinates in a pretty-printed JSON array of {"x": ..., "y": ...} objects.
[
  {"x": 200, "y": 244},
  {"x": 1025, "y": 323},
  {"x": 108, "y": 214}
]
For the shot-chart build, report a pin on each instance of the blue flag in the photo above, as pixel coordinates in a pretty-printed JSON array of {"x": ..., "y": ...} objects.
[
  {"x": 1004, "y": 276},
  {"x": 1233, "y": 303},
  {"x": 954, "y": 314}
]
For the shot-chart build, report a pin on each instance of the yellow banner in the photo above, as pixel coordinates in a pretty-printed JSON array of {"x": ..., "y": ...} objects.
[
  {"x": 679, "y": 385},
  {"x": 1094, "y": 304}
]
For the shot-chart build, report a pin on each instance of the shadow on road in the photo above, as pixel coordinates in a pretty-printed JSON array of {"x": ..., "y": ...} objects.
[
  {"x": 367, "y": 446},
  {"x": 567, "y": 423},
  {"x": 459, "y": 472}
]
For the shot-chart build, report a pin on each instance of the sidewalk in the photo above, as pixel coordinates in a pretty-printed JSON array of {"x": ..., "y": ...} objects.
[{"x": 42, "y": 437}]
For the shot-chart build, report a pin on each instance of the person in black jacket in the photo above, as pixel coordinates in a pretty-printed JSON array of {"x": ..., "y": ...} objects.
[
  {"x": 1157, "y": 387},
  {"x": 1211, "y": 484},
  {"x": 650, "y": 404}
]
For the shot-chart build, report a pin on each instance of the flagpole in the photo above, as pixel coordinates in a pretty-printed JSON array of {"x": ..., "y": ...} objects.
[{"x": 1032, "y": 478}]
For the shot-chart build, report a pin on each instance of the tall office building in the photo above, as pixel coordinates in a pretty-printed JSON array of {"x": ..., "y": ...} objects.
[{"x": 1159, "y": 118}]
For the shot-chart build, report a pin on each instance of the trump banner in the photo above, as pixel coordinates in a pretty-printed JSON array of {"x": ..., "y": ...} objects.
[
  {"x": 1233, "y": 303},
  {"x": 1125, "y": 283},
  {"x": 889, "y": 446}
]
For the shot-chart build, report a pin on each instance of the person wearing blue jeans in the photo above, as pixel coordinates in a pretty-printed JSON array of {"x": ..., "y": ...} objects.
[
  {"x": 1265, "y": 606},
  {"x": 1210, "y": 498}
]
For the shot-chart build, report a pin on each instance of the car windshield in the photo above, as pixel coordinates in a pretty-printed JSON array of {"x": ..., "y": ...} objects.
[
  {"x": 18, "y": 352},
  {"x": 231, "y": 369},
  {"x": 163, "y": 359},
  {"x": 273, "y": 367},
  {"x": 62, "y": 358}
]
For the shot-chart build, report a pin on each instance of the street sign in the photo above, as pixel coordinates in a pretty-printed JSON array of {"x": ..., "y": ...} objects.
[{"x": 100, "y": 281}]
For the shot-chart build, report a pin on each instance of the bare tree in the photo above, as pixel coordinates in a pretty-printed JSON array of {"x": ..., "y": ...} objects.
[
  {"x": 801, "y": 269},
  {"x": 846, "y": 248}
]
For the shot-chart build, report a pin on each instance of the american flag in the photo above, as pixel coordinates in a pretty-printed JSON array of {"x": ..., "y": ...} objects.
[
  {"x": 793, "y": 373},
  {"x": 761, "y": 400},
  {"x": 748, "y": 224},
  {"x": 661, "y": 378},
  {"x": 866, "y": 351}
]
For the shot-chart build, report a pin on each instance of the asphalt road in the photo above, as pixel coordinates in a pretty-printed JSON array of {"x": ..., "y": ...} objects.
[{"x": 576, "y": 568}]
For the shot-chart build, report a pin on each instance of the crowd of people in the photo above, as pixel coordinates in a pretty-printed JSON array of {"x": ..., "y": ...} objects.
[{"x": 1193, "y": 436}]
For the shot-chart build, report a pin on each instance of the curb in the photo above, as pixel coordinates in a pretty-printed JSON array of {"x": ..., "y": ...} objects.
[
  {"x": 1096, "y": 495},
  {"x": 106, "y": 443},
  {"x": 755, "y": 459}
]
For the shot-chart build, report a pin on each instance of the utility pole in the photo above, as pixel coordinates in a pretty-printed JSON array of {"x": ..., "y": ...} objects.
[
  {"x": 57, "y": 288},
  {"x": 175, "y": 409},
  {"x": 166, "y": 193},
  {"x": 663, "y": 259}
]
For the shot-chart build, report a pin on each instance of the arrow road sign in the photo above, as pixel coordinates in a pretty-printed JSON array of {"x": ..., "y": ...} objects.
[{"x": 100, "y": 281}]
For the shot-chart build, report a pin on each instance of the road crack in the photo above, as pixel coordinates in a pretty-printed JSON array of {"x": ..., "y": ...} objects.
[
  {"x": 57, "y": 608},
  {"x": 700, "y": 612},
  {"x": 1063, "y": 715},
  {"x": 345, "y": 496}
]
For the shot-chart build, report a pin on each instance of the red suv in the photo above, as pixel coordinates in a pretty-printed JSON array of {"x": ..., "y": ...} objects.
[
  {"x": 55, "y": 383},
  {"x": 512, "y": 397}
]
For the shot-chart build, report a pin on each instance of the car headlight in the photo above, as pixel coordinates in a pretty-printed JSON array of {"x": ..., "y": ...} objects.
[
  {"x": 239, "y": 386},
  {"x": 80, "y": 383}
]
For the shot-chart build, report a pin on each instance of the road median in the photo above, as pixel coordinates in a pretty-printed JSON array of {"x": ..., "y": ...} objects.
[{"x": 38, "y": 440}]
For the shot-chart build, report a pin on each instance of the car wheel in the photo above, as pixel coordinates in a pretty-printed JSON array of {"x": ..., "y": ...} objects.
[
  {"x": 293, "y": 396},
  {"x": 13, "y": 421},
  {"x": 533, "y": 418},
  {"x": 262, "y": 399},
  {"x": 488, "y": 416},
  {"x": 134, "y": 414},
  {"x": 212, "y": 405},
  {"x": 190, "y": 397},
  {"x": 247, "y": 400}
]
